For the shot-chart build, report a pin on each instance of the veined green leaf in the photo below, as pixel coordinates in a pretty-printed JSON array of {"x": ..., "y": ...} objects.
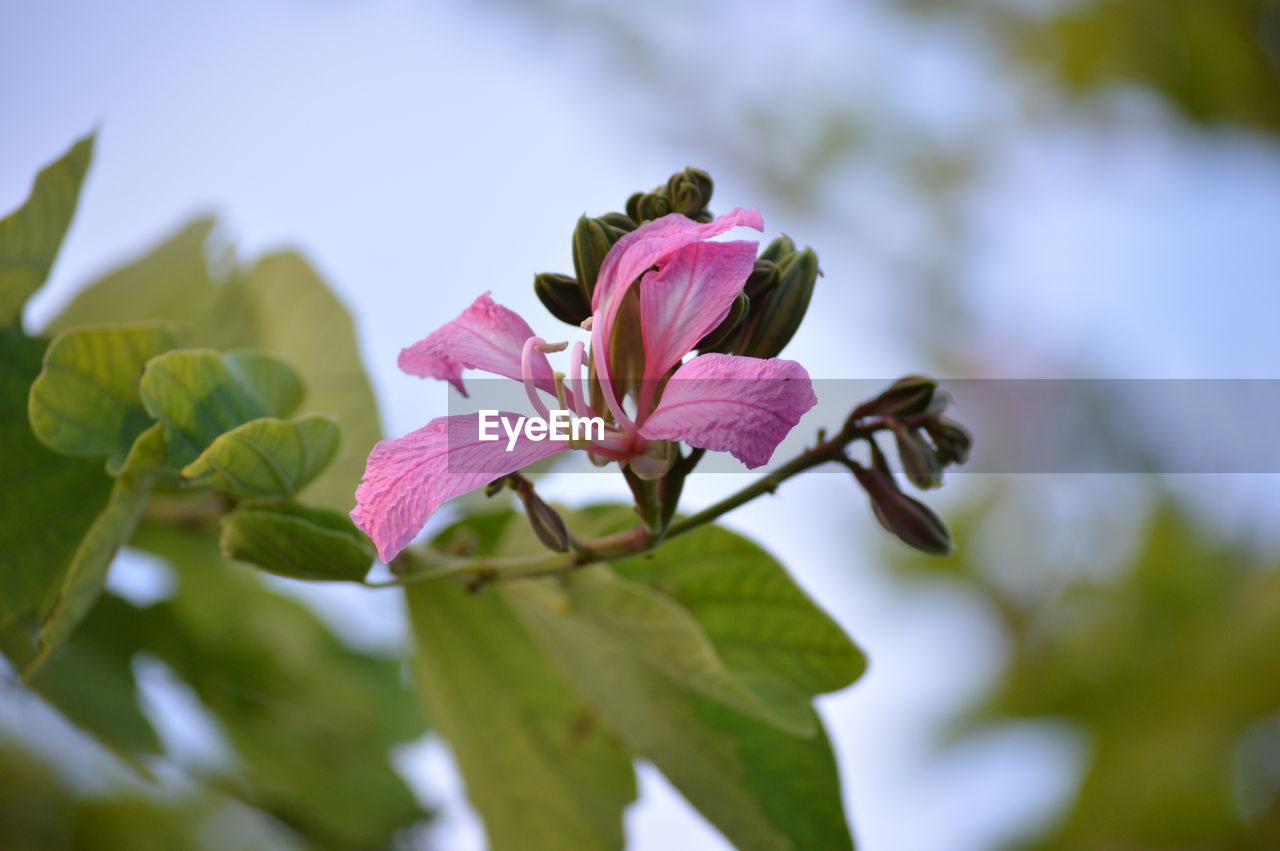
[
  {"x": 198, "y": 395},
  {"x": 539, "y": 767},
  {"x": 85, "y": 401},
  {"x": 266, "y": 457},
  {"x": 147, "y": 455},
  {"x": 297, "y": 541},
  {"x": 761, "y": 787},
  {"x": 31, "y": 236}
]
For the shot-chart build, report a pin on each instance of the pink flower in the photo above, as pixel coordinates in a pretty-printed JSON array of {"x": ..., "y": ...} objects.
[{"x": 661, "y": 289}]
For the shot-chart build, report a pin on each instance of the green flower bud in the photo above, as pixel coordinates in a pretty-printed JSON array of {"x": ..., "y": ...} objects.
[
  {"x": 721, "y": 335},
  {"x": 621, "y": 221},
  {"x": 633, "y": 206},
  {"x": 654, "y": 205},
  {"x": 779, "y": 313},
  {"x": 689, "y": 191},
  {"x": 762, "y": 279},
  {"x": 778, "y": 249},
  {"x": 910, "y": 520},
  {"x": 592, "y": 240},
  {"x": 908, "y": 396},
  {"x": 919, "y": 461},
  {"x": 563, "y": 296},
  {"x": 952, "y": 439}
]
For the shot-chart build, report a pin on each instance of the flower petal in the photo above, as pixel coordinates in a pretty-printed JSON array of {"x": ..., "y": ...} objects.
[
  {"x": 408, "y": 478},
  {"x": 485, "y": 336},
  {"x": 648, "y": 244},
  {"x": 688, "y": 297},
  {"x": 744, "y": 406}
]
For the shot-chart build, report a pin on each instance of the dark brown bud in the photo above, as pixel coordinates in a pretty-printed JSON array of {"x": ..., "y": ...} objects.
[
  {"x": 919, "y": 461},
  {"x": 910, "y": 520},
  {"x": 952, "y": 439},
  {"x": 563, "y": 296},
  {"x": 546, "y": 522},
  {"x": 909, "y": 395}
]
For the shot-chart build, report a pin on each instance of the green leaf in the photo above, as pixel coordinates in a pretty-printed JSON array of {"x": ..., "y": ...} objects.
[
  {"x": 271, "y": 380},
  {"x": 297, "y": 541},
  {"x": 761, "y": 787},
  {"x": 539, "y": 768},
  {"x": 47, "y": 500},
  {"x": 31, "y": 236},
  {"x": 767, "y": 630},
  {"x": 87, "y": 573},
  {"x": 85, "y": 401},
  {"x": 280, "y": 305},
  {"x": 199, "y": 394},
  {"x": 295, "y": 315},
  {"x": 313, "y": 723},
  {"x": 170, "y": 282},
  {"x": 147, "y": 455},
  {"x": 267, "y": 457}
]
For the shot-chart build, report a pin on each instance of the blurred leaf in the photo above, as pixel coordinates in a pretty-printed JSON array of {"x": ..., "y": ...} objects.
[
  {"x": 47, "y": 500},
  {"x": 296, "y": 541},
  {"x": 31, "y": 236},
  {"x": 294, "y": 314},
  {"x": 312, "y": 721},
  {"x": 87, "y": 573},
  {"x": 91, "y": 681},
  {"x": 267, "y": 457},
  {"x": 272, "y": 381},
  {"x": 200, "y": 394},
  {"x": 539, "y": 768},
  {"x": 147, "y": 455},
  {"x": 170, "y": 282},
  {"x": 1217, "y": 61},
  {"x": 279, "y": 305},
  {"x": 85, "y": 401}
]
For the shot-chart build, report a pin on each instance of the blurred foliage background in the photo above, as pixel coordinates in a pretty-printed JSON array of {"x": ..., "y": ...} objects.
[{"x": 1136, "y": 619}]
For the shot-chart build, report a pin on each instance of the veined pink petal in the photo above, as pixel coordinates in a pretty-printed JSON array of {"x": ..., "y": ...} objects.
[
  {"x": 408, "y": 478},
  {"x": 688, "y": 297},
  {"x": 744, "y": 406},
  {"x": 486, "y": 336},
  {"x": 648, "y": 244}
]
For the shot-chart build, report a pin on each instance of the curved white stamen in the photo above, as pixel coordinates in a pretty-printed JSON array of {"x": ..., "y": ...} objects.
[
  {"x": 581, "y": 405},
  {"x": 526, "y": 375},
  {"x": 600, "y": 362}
]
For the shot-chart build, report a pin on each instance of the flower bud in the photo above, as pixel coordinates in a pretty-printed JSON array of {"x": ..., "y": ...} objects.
[
  {"x": 952, "y": 439},
  {"x": 909, "y": 395},
  {"x": 592, "y": 240},
  {"x": 778, "y": 249},
  {"x": 689, "y": 191},
  {"x": 546, "y": 522},
  {"x": 621, "y": 221},
  {"x": 910, "y": 520},
  {"x": 919, "y": 461},
  {"x": 762, "y": 278},
  {"x": 563, "y": 296},
  {"x": 716, "y": 340},
  {"x": 781, "y": 311},
  {"x": 654, "y": 205}
]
